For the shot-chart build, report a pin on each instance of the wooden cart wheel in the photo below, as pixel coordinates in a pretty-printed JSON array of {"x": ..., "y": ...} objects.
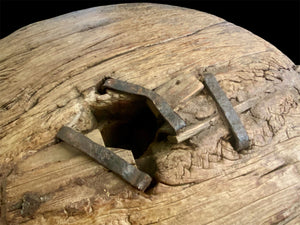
[{"x": 49, "y": 72}]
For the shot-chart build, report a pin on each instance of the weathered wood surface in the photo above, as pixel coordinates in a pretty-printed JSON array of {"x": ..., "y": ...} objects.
[{"x": 48, "y": 74}]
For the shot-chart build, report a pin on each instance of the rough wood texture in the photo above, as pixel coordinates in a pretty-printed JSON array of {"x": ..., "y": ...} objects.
[{"x": 48, "y": 74}]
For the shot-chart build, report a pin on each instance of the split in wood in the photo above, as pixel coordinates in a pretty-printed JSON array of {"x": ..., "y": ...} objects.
[{"x": 106, "y": 158}]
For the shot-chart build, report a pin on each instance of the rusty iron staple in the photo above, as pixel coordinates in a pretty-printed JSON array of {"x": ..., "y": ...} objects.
[
  {"x": 165, "y": 110},
  {"x": 228, "y": 112},
  {"x": 105, "y": 157}
]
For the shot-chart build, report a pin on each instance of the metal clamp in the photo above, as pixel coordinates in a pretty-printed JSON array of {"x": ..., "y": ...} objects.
[
  {"x": 226, "y": 108},
  {"x": 165, "y": 110},
  {"x": 105, "y": 157}
]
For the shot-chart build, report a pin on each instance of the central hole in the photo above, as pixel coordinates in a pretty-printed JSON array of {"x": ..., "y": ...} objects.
[
  {"x": 128, "y": 124},
  {"x": 135, "y": 133}
]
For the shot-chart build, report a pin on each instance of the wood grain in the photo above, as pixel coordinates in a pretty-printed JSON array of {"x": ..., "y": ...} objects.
[{"x": 49, "y": 72}]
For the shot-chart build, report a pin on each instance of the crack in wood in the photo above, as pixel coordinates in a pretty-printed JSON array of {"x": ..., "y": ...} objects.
[{"x": 278, "y": 168}]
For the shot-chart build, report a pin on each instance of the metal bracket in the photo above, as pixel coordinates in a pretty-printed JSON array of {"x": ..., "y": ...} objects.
[
  {"x": 226, "y": 108},
  {"x": 158, "y": 103},
  {"x": 105, "y": 157}
]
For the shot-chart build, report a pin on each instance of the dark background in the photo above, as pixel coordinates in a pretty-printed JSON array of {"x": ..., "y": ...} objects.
[{"x": 275, "y": 21}]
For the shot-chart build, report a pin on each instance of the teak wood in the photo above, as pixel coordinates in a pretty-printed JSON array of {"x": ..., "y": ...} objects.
[{"x": 49, "y": 72}]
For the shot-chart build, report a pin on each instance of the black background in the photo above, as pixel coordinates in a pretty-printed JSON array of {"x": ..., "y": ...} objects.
[{"x": 275, "y": 21}]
